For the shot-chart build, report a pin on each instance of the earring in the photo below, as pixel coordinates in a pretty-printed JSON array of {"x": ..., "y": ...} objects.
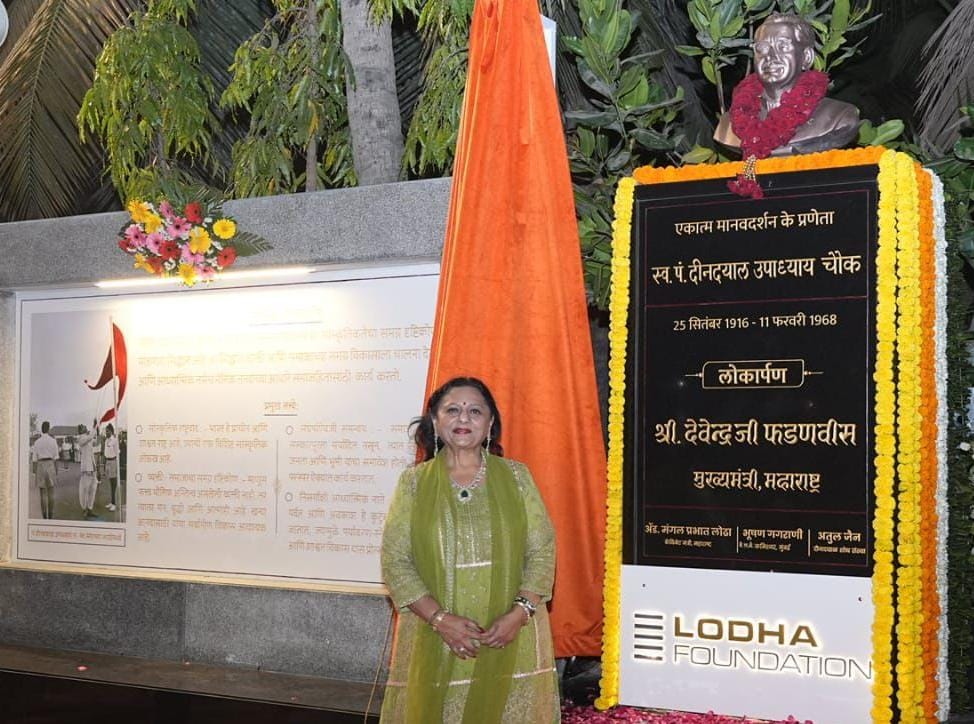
[
  {"x": 436, "y": 440},
  {"x": 488, "y": 435}
]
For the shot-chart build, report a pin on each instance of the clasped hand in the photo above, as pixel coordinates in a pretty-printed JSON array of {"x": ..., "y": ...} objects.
[{"x": 464, "y": 636}]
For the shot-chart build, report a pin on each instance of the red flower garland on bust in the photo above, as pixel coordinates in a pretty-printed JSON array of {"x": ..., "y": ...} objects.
[{"x": 760, "y": 136}]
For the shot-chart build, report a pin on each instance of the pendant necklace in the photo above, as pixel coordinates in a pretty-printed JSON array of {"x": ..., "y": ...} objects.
[{"x": 465, "y": 492}]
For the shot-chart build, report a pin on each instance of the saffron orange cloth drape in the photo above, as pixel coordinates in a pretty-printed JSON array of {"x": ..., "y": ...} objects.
[{"x": 511, "y": 307}]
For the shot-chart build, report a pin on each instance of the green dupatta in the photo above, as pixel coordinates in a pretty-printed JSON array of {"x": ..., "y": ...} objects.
[{"x": 434, "y": 552}]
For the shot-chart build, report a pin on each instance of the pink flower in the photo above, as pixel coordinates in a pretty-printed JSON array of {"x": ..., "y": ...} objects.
[
  {"x": 135, "y": 235},
  {"x": 167, "y": 211},
  {"x": 179, "y": 228},
  {"x": 188, "y": 257},
  {"x": 154, "y": 241},
  {"x": 205, "y": 272}
]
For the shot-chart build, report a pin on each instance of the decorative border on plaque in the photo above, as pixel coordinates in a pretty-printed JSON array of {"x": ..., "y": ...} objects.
[{"x": 908, "y": 525}]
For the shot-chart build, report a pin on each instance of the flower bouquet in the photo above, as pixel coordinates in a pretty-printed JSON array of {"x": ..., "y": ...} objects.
[{"x": 194, "y": 242}]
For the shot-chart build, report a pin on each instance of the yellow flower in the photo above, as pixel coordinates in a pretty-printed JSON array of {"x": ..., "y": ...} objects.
[
  {"x": 152, "y": 223},
  {"x": 141, "y": 263},
  {"x": 224, "y": 228},
  {"x": 199, "y": 240},
  {"x": 187, "y": 272},
  {"x": 139, "y": 210}
]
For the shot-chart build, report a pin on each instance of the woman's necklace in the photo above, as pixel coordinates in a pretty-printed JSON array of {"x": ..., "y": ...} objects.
[{"x": 465, "y": 492}]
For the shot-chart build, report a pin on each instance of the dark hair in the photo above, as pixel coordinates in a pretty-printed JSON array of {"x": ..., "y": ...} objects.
[
  {"x": 45, "y": 426},
  {"x": 110, "y": 429},
  {"x": 423, "y": 434}
]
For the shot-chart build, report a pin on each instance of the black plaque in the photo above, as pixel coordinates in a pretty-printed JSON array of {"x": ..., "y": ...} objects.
[{"x": 749, "y": 403}]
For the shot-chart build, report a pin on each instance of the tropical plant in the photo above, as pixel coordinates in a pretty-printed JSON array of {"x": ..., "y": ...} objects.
[
  {"x": 149, "y": 102},
  {"x": 46, "y": 64},
  {"x": 290, "y": 77},
  {"x": 956, "y": 171},
  {"x": 631, "y": 124},
  {"x": 445, "y": 25},
  {"x": 947, "y": 80}
]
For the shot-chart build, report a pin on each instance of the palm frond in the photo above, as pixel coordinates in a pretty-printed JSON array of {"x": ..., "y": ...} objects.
[
  {"x": 411, "y": 55},
  {"x": 664, "y": 24},
  {"x": 19, "y": 14},
  {"x": 947, "y": 79},
  {"x": 248, "y": 243},
  {"x": 42, "y": 82},
  {"x": 570, "y": 86},
  {"x": 219, "y": 28}
]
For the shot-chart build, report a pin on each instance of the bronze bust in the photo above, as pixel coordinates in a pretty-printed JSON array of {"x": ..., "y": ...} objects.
[{"x": 784, "y": 48}]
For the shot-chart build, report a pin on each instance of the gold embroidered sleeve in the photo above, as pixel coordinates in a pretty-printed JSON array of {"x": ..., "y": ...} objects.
[{"x": 398, "y": 568}]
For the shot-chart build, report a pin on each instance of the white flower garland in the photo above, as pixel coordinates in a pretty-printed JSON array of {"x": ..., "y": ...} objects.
[{"x": 940, "y": 361}]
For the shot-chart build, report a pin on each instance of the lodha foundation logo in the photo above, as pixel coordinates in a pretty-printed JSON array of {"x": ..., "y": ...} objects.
[
  {"x": 649, "y": 641},
  {"x": 740, "y": 643}
]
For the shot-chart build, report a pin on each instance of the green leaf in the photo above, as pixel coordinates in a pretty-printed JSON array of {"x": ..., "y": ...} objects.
[
  {"x": 708, "y": 69},
  {"x": 964, "y": 149},
  {"x": 652, "y": 140},
  {"x": 247, "y": 243},
  {"x": 887, "y": 131},
  {"x": 634, "y": 88},
  {"x": 598, "y": 119},
  {"x": 840, "y": 17},
  {"x": 586, "y": 141},
  {"x": 698, "y": 154},
  {"x": 867, "y": 132},
  {"x": 688, "y": 50},
  {"x": 734, "y": 27}
]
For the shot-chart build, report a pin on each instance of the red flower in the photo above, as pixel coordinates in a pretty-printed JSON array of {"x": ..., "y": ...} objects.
[
  {"x": 125, "y": 245},
  {"x": 156, "y": 264},
  {"x": 226, "y": 257},
  {"x": 193, "y": 212},
  {"x": 169, "y": 250}
]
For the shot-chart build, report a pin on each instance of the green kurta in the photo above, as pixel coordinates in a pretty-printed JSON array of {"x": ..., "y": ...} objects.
[{"x": 534, "y": 691}]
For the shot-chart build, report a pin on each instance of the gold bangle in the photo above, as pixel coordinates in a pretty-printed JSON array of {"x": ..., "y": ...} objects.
[{"x": 435, "y": 619}]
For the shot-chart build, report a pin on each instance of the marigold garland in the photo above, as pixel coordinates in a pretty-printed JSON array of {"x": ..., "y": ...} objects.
[
  {"x": 806, "y": 162},
  {"x": 930, "y": 609},
  {"x": 885, "y": 445},
  {"x": 909, "y": 681},
  {"x": 618, "y": 338}
]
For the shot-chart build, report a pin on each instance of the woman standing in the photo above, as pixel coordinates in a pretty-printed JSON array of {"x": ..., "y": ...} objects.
[{"x": 468, "y": 554}]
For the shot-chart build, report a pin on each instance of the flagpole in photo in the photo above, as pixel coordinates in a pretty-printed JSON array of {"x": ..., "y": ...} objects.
[
  {"x": 115, "y": 370},
  {"x": 118, "y": 432}
]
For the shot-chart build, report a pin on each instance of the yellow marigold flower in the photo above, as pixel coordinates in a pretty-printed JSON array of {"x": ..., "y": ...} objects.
[
  {"x": 199, "y": 240},
  {"x": 187, "y": 272},
  {"x": 224, "y": 228},
  {"x": 152, "y": 223}
]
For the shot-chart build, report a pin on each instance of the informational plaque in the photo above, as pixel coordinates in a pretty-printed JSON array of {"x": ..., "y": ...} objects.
[
  {"x": 752, "y": 391},
  {"x": 254, "y": 431},
  {"x": 749, "y": 447}
]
